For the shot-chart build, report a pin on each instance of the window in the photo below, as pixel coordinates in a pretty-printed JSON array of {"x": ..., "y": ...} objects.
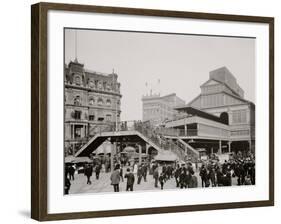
[
  {"x": 91, "y": 117},
  {"x": 101, "y": 119},
  {"x": 240, "y": 132},
  {"x": 78, "y": 131},
  {"x": 77, "y": 101},
  {"x": 91, "y": 84},
  {"x": 78, "y": 80},
  {"x": 108, "y": 102},
  {"x": 100, "y": 101},
  {"x": 239, "y": 116},
  {"x": 77, "y": 114},
  {"x": 212, "y": 100},
  {"x": 92, "y": 101},
  {"x": 108, "y": 117},
  {"x": 99, "y": 85},
  {"x": 108, "y": 87}
]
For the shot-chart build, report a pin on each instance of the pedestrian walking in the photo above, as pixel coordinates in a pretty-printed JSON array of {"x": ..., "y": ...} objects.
[
  {"x": 88, "y": 173},
  {"x": 144, "y": 172},
  {"x": 67, "y": 184},
  {"x": 212, "y": 175},
  {"x": 71, "y": 172},
  {"x": 193, "y": 182},
  {"x": 177, "y": 174},
  {"x": 204, "y": 176},
  {"x": 135, "y": 168},
  {"x": 162, "y": 180},
  {"x": 97, "y": 170},
  {"x": 182, "y": 178},
  {"x": 156, "y": 176},
  {"x": 115, "y": 178},
  {"x": 121, "y": 173},
  {"x": 130, "y": 180},
  {"x": 139, "y": 173}
]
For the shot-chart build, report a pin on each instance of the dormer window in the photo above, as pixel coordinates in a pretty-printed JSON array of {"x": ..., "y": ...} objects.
[{"x": 78, "y": 80}]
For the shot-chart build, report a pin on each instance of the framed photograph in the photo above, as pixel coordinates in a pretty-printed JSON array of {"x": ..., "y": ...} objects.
[{"x": 141, "y": 111}]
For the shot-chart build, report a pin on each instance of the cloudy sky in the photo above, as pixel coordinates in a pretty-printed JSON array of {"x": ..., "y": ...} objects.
[{"x": 181, "y": 62}]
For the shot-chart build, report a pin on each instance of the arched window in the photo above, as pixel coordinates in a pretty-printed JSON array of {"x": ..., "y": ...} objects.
[
  {"x": 100, "y": 85},
  {"x": 108, "y": 102},
  {"x": 108, "y": 87},
  {"x": 104, "y": 85},
  {"x": 92, "y": 101},
  {"x": 77, "y": 101},
  {"x": 100, "y": 101},
  {"x": 224, "y": 118},
  {"x": 92, "y": 84}
]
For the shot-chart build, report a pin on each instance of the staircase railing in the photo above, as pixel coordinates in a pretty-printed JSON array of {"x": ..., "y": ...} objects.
[{"x": 190, "y": 152}]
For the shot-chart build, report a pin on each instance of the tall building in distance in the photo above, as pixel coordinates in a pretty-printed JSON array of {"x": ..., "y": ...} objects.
[
  {"x": 158, "y": 109},
  {"x": 92, "y": 104}
]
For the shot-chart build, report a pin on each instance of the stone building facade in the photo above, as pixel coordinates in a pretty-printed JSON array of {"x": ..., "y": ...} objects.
[
  {"x": 158, "y": 109},
  {"x": 92, "y": 104}
]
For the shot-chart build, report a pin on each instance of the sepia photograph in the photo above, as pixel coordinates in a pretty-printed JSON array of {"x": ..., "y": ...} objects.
[{"x": 148, "y": 111}]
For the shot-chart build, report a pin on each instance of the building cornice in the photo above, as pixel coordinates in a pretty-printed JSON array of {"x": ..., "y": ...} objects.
[{"x": 88, "y": 89}]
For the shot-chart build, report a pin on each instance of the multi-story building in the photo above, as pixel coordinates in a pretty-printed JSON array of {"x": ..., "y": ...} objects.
[
  {"x": 219, "y": 118},
  {"x": 92, "y": 104},
  {"x": 158, "y": 109}
]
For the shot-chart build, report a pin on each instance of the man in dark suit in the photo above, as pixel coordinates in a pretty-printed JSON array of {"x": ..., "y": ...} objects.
[
  {"x": 97, "y": 170},
  {"x": 130, "y": 180},
  {"x": 156, "y": 176},
  {"x": 88, "y": 172}
]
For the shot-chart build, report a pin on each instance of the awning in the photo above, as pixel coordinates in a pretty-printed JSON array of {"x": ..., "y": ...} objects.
[
  {"x": 69, "y": 159},
  {"x": 82, "y": 160},
  {"x": 167, "y": 156},
  {"x": 73, "y": 159},
  {"x": 196, "y": 112},
  {"x": 129, "y": 149}
]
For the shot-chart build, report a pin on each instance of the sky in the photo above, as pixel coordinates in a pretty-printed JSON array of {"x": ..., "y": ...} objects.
[{"x": 168, "y": 63}]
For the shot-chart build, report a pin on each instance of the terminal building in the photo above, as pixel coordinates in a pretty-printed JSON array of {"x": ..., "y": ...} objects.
[
  {"x": 158, "y": 109},
  {"x": 92, "y": 102},
  {"x": 218, "y": 120}
]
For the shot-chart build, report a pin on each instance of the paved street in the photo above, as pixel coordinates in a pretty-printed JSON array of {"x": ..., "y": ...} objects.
[{"x": 79, "y": 185}]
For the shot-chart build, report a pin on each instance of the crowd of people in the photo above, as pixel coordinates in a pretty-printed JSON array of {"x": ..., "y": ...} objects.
[{"x": 211, "y": 172}]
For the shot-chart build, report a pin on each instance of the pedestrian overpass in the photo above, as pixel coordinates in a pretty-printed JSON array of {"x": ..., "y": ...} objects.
[{"x": 116, "y": 136}]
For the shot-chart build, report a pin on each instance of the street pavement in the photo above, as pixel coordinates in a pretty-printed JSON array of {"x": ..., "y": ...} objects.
[{"x": 79, "y": 185}]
